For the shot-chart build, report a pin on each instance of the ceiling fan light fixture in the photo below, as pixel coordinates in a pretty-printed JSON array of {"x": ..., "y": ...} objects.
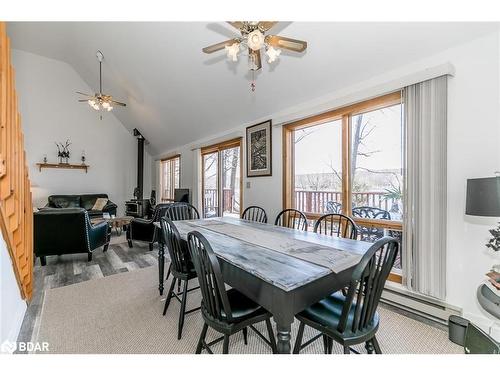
[
  {"x": 232, "y": 51},
  {"x": 255, "y": 40},
  {"x": 272, "y": 53}
]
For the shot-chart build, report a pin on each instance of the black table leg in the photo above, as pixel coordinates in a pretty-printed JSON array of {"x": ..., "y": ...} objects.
[
  {"x": 161, "y": 266},
  {"x": 284, "y": 336}
]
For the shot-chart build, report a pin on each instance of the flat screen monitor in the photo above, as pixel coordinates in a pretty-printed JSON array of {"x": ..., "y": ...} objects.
[{"x": 181, "y": 195}]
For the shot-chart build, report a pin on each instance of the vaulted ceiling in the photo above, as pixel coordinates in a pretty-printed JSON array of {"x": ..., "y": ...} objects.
[{"x": 176, "y": 94}]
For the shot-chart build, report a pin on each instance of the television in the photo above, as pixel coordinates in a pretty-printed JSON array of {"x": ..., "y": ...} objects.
[{"x": 181, "y": 195}]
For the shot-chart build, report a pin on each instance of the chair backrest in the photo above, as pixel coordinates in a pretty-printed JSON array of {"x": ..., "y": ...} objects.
[
  {"x": 336, "y": 225},
  {"x": 182, "y": 211},
  {"x": 367, "y": 284},
  {"x": 179, "y": 254},
  {"x": 159, "y": 211},
  {"x": 215, "y": 303},
  {"x": 368, "y": 233},
  {"x": 254, "y": 213},
  {"x": 333, "y": 207},
  {"x": 291, "y": 218},
  {"x": 371, "y": 213},
  {"x": 57, "y": 229}
]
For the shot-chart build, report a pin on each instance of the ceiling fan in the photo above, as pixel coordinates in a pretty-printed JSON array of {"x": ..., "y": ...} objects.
[
  {"x": 254, "y": 38},
  {"x": 100, "y": 101}
]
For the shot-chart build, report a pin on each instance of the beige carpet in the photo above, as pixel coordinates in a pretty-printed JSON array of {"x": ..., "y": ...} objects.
[{"x": 123, "y": 314}]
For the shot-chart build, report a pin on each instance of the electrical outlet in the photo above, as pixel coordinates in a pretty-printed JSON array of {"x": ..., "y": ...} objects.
[{"x": 248, "y": 184}]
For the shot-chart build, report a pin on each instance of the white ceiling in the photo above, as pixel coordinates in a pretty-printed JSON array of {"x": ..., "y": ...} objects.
[{"x": 176, "y": 94}]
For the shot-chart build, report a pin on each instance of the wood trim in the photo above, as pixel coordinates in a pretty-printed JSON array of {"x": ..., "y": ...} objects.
[
  {"x": 221, "y": 146},
  {"x": 394, "y": 277},
  {"x": 288, "y": 166},
  {"x": 16, "y": 211},
  {"x": 346, "y": 165},
  {"x": 353, "y": 109},
  {"x": 171, "y": 157}
]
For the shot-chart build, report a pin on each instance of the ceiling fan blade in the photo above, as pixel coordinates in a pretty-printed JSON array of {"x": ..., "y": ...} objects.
[
  {"x": 266, "y": 25},
  {"x": 83, "y": 100},
  {"x": 286, "y": 43},
  {"x": 81, "y": 93},
  {"x": 118, "y": 103},
  {"x": 255, "y": 60},
  {"x": 236, "y": 24},
  {"x": 219, "y": 46}
]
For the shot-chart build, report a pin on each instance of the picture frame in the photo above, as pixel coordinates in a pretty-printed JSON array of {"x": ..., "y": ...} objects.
[{"x": 259, "y": 149}]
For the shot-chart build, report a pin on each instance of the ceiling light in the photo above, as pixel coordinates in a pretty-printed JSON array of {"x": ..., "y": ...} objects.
[
  {"x": 273, "y": 54},
  {"x": 99, "y": 100},
  {"x": 232, "y": 51},
  {"x": 255, "y": 40}
]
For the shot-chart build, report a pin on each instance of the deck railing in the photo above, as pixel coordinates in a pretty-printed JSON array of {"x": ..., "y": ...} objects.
[
  {"x": 307, "y": 200},
  {"x": 316, "y": 201},
  {"x": 210, "y": 201}
]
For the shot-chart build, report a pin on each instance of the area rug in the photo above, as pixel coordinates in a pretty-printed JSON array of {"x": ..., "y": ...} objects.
[{"x": 122, "y": 313}]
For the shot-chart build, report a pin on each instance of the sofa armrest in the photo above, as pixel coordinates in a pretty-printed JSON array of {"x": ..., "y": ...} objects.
[{"x": 98, "y": 235}]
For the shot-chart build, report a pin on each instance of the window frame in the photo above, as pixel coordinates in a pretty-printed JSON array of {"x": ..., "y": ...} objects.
[
  {"x": 172, "y": 177},
  {"x": 218, "y": 148},
  {"x": 344, "y": 114}
]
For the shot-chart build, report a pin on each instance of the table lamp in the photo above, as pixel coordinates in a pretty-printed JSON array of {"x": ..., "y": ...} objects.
[{"x": 483, "y": 199}]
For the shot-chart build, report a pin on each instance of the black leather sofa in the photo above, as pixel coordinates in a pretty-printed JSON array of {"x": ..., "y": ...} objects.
[
  {"x": 67, "y": 231},
  {"x": 86, "y": 201}
]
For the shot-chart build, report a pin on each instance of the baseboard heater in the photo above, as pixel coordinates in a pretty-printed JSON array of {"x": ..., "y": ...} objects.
[{"x": 423, "y": 306}]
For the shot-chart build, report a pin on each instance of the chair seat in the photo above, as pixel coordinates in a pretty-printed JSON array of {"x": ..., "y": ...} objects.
[
  {"x": 327, "y": 313},
  {"x": 242, "y": 307}
]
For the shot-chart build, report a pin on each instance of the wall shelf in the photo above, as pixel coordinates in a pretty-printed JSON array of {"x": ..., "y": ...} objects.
[{"x": 63, "y": 166}]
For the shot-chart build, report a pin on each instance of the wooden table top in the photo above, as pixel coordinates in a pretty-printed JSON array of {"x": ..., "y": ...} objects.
[{"x": 284, "y": 257}]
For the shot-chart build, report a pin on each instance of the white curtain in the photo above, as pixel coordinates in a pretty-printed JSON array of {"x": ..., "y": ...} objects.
[{"x": 424, "y": 258}]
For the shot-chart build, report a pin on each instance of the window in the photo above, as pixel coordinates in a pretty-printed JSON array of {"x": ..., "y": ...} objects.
[
  {"x": 349, "y": 161},
  {"x": 221, "y": 179},
  {"x": 170, "y": 177}
]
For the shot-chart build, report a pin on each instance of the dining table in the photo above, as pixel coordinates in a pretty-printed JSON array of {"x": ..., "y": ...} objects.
[{"x": 284, "y": 270}]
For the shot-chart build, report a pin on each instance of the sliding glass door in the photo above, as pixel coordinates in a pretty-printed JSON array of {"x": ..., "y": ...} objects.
[{"x": 221, "y": 179}]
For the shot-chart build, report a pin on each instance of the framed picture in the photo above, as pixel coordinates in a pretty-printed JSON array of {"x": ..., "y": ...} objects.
[{"x": 259, "y": 150}]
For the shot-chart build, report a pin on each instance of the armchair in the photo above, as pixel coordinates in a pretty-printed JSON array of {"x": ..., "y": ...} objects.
[
  {"x": 144, "y": 229},
  {"x": 67, "y": 231}
]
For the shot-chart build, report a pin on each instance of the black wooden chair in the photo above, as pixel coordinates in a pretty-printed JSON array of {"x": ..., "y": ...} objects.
[
  {"x": 228, "y": 312},
  {"x": 181, "y": 267},
  {"x": 254, "y": 213},
  {"x": 336, "y": 225},
  {"x": 367, "y": 233},
  {"x": 182, "y": 211},
  {"x": 352, "y": 319},
  {"x": 291, "y": 218}
]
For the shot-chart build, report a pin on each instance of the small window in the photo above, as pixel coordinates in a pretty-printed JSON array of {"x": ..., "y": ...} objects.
[{"x": 170, "y": 177}]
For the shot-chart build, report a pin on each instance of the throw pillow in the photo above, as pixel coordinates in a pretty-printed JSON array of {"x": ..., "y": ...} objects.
[{"x": 99, "y": 204}]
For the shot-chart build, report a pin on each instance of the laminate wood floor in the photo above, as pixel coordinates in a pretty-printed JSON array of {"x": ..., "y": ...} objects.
[{"x": 74, "y": 268}]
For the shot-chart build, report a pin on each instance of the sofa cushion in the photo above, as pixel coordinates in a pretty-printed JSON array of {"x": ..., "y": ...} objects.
[
  {"x": 64, "y": 201},
  {"x": 88, "y": 200}
]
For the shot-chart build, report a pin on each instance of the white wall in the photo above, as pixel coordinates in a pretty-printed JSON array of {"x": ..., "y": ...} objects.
[
  {"x": 473, "y": 137},
  {"x": 50, "y": 112},
  {"x": 12, "y": 307}
]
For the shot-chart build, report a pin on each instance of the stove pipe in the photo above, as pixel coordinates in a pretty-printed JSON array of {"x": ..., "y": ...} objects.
[{"x": 139, "y": 191}]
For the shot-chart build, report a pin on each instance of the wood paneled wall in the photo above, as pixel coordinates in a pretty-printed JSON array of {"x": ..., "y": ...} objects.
[{"x": 16, "y": 212}]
